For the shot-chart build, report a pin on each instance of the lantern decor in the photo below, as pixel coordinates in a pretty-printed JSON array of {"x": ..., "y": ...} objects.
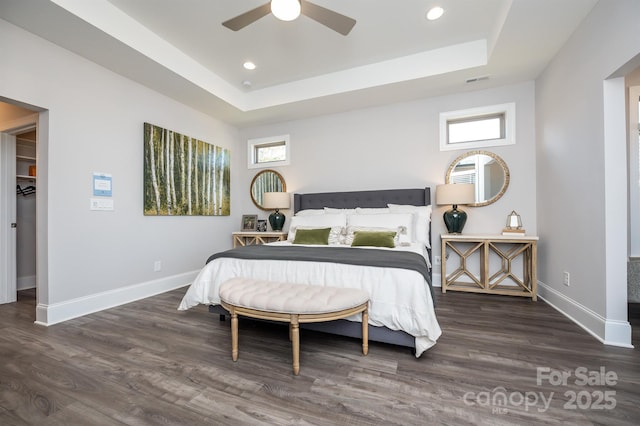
[{"x": 514, "y": 225}]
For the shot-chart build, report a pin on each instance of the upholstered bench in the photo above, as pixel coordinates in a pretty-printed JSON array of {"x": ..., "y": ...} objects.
[{"x": 292, "y": 303}]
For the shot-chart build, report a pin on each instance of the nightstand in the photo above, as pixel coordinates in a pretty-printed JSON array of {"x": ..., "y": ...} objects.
[
  {"x": 247, "y": 238},
  {"x": 493, "y": 264}
]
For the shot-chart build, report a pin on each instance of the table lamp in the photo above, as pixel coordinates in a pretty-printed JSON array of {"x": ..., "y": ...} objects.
[
  {"x": 276, "y": 201},
  {"x": 455, "y": 194}
]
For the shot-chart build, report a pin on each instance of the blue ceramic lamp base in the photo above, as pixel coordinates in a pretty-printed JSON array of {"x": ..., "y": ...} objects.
[
  {"x": 276, "y": 220},
  {"x": 455, "y": 219}
]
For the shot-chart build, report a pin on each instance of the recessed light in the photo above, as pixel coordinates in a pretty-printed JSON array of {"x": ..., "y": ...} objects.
[
  {"x": 249, "y": 65},
  {"x": 435, "y": 13}
]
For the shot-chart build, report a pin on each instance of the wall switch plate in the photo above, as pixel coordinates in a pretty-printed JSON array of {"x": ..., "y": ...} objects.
[
  {"x": 157, "y": 266},
  {"x": 101, "y": 204},
  {"x": 437, "y": 260},
  {"x": 566, "y": 278}
]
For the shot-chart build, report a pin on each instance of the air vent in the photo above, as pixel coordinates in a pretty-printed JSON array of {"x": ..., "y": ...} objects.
[{"x": 475, "y": 79}]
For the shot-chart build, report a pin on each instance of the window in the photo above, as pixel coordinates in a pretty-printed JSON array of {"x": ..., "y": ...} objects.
[
  {"x": 269, "y": 152},
  {"x": 478, "y": 127}
]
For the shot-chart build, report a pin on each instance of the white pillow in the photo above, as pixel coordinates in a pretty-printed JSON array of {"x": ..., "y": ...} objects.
[
  {"x": 310, "y": 212},
  {"x": 331, "y": 210},
  {"x": 335, "y": 235},
  {"x": 372, "y": 210},
  {"x": 421, "y": 220},
  {"x": 391, "y": 221},
  {"x": 316, "y": 221}
]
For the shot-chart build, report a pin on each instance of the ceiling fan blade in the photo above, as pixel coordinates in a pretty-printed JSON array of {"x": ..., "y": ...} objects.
[
  {"x": 241, "y": 21},
  {"x": 329, "y": 18}
]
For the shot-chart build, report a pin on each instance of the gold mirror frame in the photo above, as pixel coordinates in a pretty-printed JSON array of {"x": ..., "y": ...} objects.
[
  {"x": 266, "y": 181},
  {"x": 498, "y": 160}
]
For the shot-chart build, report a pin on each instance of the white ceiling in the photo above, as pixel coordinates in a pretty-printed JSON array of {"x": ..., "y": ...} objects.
[{"x": 393, "y": 53}]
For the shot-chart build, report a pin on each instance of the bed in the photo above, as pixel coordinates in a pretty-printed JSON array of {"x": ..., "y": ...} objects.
[{"x": 398, "y": 278}]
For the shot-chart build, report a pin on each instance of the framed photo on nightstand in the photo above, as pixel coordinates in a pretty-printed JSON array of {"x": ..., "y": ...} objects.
[
  {"x": 249, "y": 222},
  {"x": 262, "y": 225}
]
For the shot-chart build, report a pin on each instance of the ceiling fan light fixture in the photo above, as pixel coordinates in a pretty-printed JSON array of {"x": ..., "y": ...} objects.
[
  {"x": 285, "y": 10},
  {"x": 435, "y": 13}
]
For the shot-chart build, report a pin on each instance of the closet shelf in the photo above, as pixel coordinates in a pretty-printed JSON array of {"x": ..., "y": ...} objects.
[
  {"x": 26, "y": 177},
  {"x": 25, "y": 157}
]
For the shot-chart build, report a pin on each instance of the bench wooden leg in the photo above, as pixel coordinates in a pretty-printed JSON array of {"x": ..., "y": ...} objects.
[
  {"x": 295, "y": 343},
  {"x": 365, "y": 331},
  {"x": 294, "y": 326},
  {"x": 234, "y": 336}
]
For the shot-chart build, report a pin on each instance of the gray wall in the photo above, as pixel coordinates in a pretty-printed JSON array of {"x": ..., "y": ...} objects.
[
  {"x": 397, "y": 146},
  {"x": 95, "y": 124},
  {"x": 581, "y": 186}
]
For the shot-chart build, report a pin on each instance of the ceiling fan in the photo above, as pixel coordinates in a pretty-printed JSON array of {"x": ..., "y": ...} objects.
[{"x": 288, "y": 10}]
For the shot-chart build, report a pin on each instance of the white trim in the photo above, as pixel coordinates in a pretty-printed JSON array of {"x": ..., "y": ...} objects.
[
  {"x": 610, "y": 332},
  {"x": 251, "y": 151},
  {"x": 616, "y": 202},
  {"x": 63, "y": 311},
  {"x": 634, "y": 173},
  {"x": 509, "y": 111}
]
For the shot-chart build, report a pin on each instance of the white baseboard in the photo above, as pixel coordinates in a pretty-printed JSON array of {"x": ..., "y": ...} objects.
[
  {"x": 59, "y": 312},
  {"x": 25, "y": 283},
  {"x": 610, "y": 332}
]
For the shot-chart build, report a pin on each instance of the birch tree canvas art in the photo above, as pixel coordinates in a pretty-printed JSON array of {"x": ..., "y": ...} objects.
[{"x": 184, "y": 176}]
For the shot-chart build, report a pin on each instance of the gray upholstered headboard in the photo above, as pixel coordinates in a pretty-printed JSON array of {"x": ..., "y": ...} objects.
[{"x": 352, "y": 199}]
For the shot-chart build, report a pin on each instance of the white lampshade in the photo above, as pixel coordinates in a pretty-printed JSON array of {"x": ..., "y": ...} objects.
[
  {"x": 285, "y": 10},
  {"x": 455, "y": 193},
  {"x": 276, "y": 200}
]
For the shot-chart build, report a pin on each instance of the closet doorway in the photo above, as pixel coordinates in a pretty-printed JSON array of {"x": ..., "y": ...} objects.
[
  {"x": 18, "y": 189},
  {"x": 26, "y": 187}
]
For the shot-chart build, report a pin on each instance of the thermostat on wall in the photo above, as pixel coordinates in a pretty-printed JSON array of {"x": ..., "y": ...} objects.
[{"x": 102, "y": 185}]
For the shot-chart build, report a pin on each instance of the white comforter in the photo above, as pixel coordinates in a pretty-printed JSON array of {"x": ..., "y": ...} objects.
[{"x": 400, "y": 299}]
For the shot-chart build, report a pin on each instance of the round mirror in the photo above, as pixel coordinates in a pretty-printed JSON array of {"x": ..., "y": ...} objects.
[
  {"x": 486, "y": 170},
  {"x": 266, "y": 181}
]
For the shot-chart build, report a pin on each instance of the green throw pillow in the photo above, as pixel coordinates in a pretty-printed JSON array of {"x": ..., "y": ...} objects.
[
  {"x": 374, "y": 239},
  {"x": 319, "y": 236}
]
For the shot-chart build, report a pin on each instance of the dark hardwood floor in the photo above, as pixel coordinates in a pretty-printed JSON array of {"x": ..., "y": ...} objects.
[{"x": 147, "y": 363}]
